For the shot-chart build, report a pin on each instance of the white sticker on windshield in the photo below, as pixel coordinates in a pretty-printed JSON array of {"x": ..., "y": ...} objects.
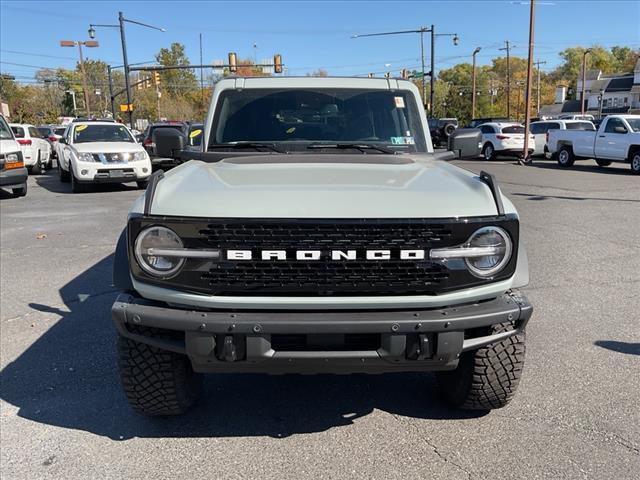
[
  {"x": 399, "y": 102},
  {"x": 403, "y": 140}
]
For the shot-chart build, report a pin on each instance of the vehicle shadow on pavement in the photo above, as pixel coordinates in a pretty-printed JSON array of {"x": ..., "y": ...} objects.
[
  {"x": 589, "y": 168},
  {"x": 51, "y": 181},
  {"x": 68, "y": 378},
  {"x": 620, "y": 347}
]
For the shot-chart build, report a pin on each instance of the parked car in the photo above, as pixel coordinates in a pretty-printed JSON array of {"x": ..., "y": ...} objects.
[
  {"x": 616, "y": 140},
  {"x": 101, "y": 152},
  {"x": 149, "y": 144},
  {"x": 504, "y": 139},
  {"x": 476, "y": 122},
  {"x": 540, "y": 131},
  {"x": 440, "y": 130},
  {"x": 52, "y": 133},
  {"x": 35, "y": 149},
  {"x": 284, "y": 250},
  {"x": 13, "y": 173}
]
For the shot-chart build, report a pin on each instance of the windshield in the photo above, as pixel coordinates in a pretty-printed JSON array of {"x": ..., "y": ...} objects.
[
  {"x": 293, "y": 119},
  {"x": 59, "y": 131},
  {"x": 634, "y": 123},
  {"x": 101, "y": 133},
  {"x": 5, "y": 133}
]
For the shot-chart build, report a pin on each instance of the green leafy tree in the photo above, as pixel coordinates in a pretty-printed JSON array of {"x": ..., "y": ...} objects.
[{"x": 176, "y": 82}]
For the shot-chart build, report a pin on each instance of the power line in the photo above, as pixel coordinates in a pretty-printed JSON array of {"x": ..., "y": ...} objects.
[{"x": 38, "y": 54}]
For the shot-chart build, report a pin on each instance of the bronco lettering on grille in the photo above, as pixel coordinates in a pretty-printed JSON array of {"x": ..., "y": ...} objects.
[{"x": 335, "y": 255}]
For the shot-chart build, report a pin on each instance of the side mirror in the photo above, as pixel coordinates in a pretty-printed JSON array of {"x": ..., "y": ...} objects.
[
  {"x": 169, "y": 142},
  {"x": 466, "y": 142},
  {"x": 620, "y": 129},
  {"x": 62, "y": 140}
]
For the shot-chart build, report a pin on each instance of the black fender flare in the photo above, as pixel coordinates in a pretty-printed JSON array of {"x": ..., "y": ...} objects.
[{"x": 121, "y": 271}]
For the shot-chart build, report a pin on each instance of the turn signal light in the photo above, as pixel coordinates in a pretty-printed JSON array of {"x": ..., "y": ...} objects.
[{"x": 10, "y": 165}]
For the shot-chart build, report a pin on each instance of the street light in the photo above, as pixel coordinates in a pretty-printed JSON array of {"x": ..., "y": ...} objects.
[
  {"x": 422, "y": 31},
  {"x": 584, "y": 78},
  {"x": 79, "y": 44},
  {"x": 473, "y": 83},
  {"x": 120, "y": 26}
]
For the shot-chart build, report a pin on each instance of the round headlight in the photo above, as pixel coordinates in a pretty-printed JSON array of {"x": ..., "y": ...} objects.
[
  {"x": 146, "y": 248},
  {"x": 498, "y": 242}
]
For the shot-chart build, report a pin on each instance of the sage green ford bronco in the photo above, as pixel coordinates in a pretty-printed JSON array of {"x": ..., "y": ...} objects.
[{"x": 317, "y": 232}]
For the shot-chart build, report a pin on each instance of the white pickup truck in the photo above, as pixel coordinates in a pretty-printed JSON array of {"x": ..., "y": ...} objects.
[{"x": 617, "y": 140}]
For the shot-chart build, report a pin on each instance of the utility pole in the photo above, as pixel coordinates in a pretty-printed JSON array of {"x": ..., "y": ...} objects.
[
  {"x": 527, "y": 113},
  {"x": 473, "y": 84},
  {"x": 508, "y": 48},
  {"x": 584, "y": 78},
  {"x": 79, "y": 44},
  {"x": 120, "y": 25},
  {"x": 201, "y": 73},
  {"x": 422, "y": 31},
  {"x": 111, "y": 96},
  {"x": 537, "y": 64}
]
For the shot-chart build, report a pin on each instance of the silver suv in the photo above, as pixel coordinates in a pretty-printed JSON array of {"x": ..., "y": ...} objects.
[{"x": 316, "y": 232}]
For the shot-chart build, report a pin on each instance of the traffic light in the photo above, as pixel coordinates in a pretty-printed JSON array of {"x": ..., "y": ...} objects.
[
  {"x": 277, "y": 63},
  {"x": 370, "y": 75},
  {"x": 156, "y": 78},
  {"x": 147, "y": 82},
  {"x": 233, "y": 62},
  {"x": 404, "y": 73}
]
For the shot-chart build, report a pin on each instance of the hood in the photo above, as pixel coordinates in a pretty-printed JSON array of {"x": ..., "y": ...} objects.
[
  {"x": 107, "y": 147},
  {"x": 323, "y": 186}
]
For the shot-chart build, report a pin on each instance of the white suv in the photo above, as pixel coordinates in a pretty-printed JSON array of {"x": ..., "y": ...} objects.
[
  {"x": 503, "y": 139},
  {"x": 36, "y": 151},
  {"x": 101, "y": 152}
]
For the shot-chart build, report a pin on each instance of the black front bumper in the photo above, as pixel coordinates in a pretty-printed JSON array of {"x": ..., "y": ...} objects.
[{"x": 408, "y": 340}]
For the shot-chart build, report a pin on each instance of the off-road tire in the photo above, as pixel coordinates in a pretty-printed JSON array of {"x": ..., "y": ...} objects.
[
  {"x": 565, "y": 157},
  {"x": 603, "y": 163},
  {"x": 634, "y": 161},
  {"x": 492, "y": 151},
  {"x": 486, "y": 378},
  {"x": 156, "y": 382}
]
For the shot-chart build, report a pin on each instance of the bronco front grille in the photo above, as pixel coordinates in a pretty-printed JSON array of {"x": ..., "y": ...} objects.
[{"x": 325, "y": 276}]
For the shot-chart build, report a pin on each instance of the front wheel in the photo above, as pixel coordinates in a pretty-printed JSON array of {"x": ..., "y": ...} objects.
[
  {"x": 486, "y": 378},
  {"x": 76, "y": 186},
  {"x": 156, "y": 382},
  {"x": 566, "y": 157},
  {"x": 635, "y": 162},
  {"x": 64, "y": 176}
]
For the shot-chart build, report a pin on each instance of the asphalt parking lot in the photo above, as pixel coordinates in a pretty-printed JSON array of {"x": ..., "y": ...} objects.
[{"x": 576, "y": 414}]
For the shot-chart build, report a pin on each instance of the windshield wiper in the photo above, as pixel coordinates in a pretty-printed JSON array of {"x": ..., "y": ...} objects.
[
  {"x": 352, "y": 146},
  {"x": 255, "y": 145}
]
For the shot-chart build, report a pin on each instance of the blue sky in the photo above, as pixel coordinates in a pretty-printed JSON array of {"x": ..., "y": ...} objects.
[{"x": 309, "y": 34}]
